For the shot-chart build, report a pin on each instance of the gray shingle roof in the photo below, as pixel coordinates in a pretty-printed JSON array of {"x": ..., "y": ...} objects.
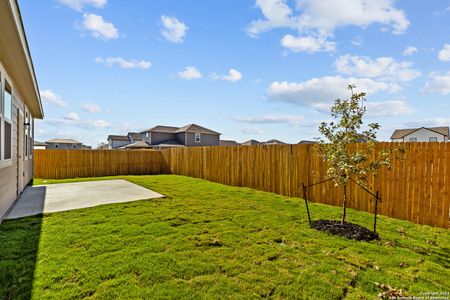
[
  {"x": 161, "y": 128},
  {"x": 135, "y": 135},
  {"x": 196, "y": 128},
  {"x": 251, "y": 142},
  {"x": 187, "y": 128},
  {"x": 63, "y": 141},
  {"x": 274, "y": 142},
  {"x": 137, "y": 145},
  {"x": 118, "y": 137},
  {"x": 228, "y": 143}
]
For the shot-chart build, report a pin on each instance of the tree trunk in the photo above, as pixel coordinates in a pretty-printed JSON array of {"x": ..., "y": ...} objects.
[{"x": 345, "y": 203}]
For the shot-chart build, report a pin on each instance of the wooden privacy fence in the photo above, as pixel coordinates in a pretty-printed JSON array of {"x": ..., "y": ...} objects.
[
  {"x": 62, "y": 164},
  {"x": 415, "y": 189}
]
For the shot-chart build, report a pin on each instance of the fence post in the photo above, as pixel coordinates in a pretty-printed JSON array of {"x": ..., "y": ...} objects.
[
  {"x": 375, "y": 213},
  {"x": 305, "y": 196}
]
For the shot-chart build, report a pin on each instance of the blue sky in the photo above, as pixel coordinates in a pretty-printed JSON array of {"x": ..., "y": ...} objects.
[{"x": 250, "y": 69}]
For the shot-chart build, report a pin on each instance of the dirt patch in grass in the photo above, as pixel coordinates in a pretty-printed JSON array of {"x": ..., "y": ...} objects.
[{"x": 348, "y": 230}]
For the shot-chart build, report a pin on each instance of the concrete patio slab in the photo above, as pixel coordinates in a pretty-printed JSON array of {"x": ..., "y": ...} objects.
[{"x": 67, "y": 196}]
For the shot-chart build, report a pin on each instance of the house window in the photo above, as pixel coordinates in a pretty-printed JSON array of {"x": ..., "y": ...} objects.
[
  {"x": 413, "y": 139},
  {"x": 433, "y": 139},
  {"x": 7, "y": 121},
  {"x": 197, "y": 137}
]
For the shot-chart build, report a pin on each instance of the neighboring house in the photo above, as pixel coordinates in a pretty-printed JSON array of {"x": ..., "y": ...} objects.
[
  {"x": 117, "y": 141},
  {"x": 39, "y": 145},
  {"x": 274, "y": 142},
  {"x": 269, "y": 142},
  {"x": 139, "y": 145},
  {"x": 228, "y": 143},
  {"x": 251, "y": 143},
  {"x": 135, "y": 137},
  {"x": 422, "y": 134},
  {"x": 20, "y": 104},
  {"x": 190, "y": 135},
  {"x": 306, "y": 142},
  {"x": 65, "y": 144}
]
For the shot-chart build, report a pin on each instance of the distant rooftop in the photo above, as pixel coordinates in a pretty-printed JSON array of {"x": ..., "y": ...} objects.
[
  {"x": 63, "y": 141},
  {"x": 400, "y": 133},
  {"x": 188, "y": 128},
  {"x": 118, "y": 137}
]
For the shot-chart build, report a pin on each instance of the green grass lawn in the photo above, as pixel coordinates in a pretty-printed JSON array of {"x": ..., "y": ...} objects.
[{"x": 207, "y": 240}]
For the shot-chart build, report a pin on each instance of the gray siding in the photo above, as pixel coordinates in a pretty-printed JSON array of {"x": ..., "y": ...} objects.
[
  {"x": 205, "y": 139},
  {"x": 158, "y": 137},
  {"x": 116, "y": 144},
  {"x": 8, "y": 175},
  {"x": 64, "y": 146},
  {"x": 181, "y": 137}
]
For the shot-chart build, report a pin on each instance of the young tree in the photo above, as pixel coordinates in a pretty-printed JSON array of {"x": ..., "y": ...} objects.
[{"x": 345, "y": 163}]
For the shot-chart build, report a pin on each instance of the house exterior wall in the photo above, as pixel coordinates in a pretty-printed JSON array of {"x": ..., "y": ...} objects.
[
  {"x": 9, "y": 188},
  {"x": 181, "y": 137},
  {"x": 63, "y": 146},
  {"x": 159, "y": 137},
  {"x": 205, "y": 139},
  {"x": 113, "y": 144},
  {"x": 423, "y": 135},
  {"x": 17, "y": 68}
]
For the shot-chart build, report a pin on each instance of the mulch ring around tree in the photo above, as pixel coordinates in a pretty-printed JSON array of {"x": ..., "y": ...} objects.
[{"x": 348, "y": 230}]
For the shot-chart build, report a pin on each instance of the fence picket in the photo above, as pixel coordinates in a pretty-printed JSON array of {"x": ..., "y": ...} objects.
[{"x": 417, "y": 189}]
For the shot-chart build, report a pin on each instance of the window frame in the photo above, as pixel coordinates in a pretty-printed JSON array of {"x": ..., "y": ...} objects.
[
  {"x": 199, "y": 135},
  {"x": 5, "y": 162},
  {"x": 435, "y": 139},
  {"x": 412, "y": 139}
]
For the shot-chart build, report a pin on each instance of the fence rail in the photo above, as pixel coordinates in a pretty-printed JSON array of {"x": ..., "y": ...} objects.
[{"x": 415, "y": 189}]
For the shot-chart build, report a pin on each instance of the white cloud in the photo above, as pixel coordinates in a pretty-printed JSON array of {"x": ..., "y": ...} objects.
[
  {"x": 438, "y": 84},
  {"x": 190, "y": 73},
  {"x": 233, "y": 76},
  {"x": 325, "y": 16},
  {"x": 174, "y": 30},
  {"x": 80, "y": 4},
  {"x": 91, "y": 108},
  {"x": 72, "y": 116},
  {"x": 320, "y": 19},
  {"x": 48, "y": 96},
  {"x": 252, "y": 130},
  {"x": 444, "y": 54},
  {"x": 307, "y": 44},
  {"x": 357, "y": 41},
  {"x": 433, "y": 122},
  {"x": 96, "y": 124},
  {"x": 98, "y": 27},
  {"x": 319, "y": 93},
  {"x": 277, "y": 14},
  {"x": 388, "y": 108},
  {"x": 271, "y": 119},
  {"x": 383, "y": 68},
  {"x": 124, "y": 63},
  {"x": 71, "y": 120},
  {"x": 409, "y": 50}
]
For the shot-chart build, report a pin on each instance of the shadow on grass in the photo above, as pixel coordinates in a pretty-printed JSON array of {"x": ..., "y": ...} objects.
[{"x": 19, "y": 243}]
